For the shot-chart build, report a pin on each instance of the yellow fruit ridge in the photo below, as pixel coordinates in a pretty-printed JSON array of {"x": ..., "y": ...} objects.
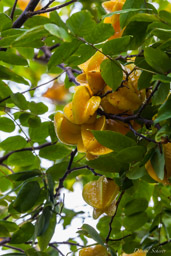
[
  {"x": 83, "y": 106},
  {"x": 98, "y": 250},
  {"x": 101, "y": 195},
  {"x": 66, "y": 131}
]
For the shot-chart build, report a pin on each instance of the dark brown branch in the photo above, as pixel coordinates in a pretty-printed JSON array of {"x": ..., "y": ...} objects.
[
  {"x": 112, "y": 218},
  {"x": 141, "y": 135},
  {"x": 5, "y": 157},
  {"x": 86, "y": 167},
  {"x": 119, "y": 239},
  {"x": 69, "y": 243},
  {"x": 24, "y": 16},
  {"x": 31, "y": 13},
  {"x": 53, "y": 246},
  {"x": 148, "y": 99},
  {"x": 14, "y": 248},
  {"x": 47, "y": 5},
  {"x": 5, "y": 241},
  {"x": 13, "y": 9},
  {"x": 68, "y": 171}
]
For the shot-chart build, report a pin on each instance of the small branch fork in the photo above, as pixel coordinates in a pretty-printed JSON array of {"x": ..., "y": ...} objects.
[{"x": 112, "y": 219}]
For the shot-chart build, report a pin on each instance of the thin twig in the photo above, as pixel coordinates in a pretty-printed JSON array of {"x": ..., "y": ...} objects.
[
  {"x": 14, "y": 248},
  {"x": 53, "y": 246},
  {"x": 86, "y": 167},
  {"x": 141, "y": 135},
  {"x": 119, "y": 239},
  {"x": 47, "y": 5},
  {"x": 34, "y": 88},
  {"x": 68, "y": 171},
  {"x": 5, "y": 157},
  {"x": 30, "y": 13},
  {"x": 112, "y": 218},
  {"x": 13, "y": 9}
]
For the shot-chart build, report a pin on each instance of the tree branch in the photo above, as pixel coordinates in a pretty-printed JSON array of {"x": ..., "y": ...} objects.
[
  {"x": 110, "y": 224},
  {"x": 14, "y": 248},
  {"x": 5, "y": 157},
  {"x": 13, "y": 9},
  {"x": 24, "y": 16},
  {"x": 68, "y": 171},
  {"x": 43, "y": 10}
]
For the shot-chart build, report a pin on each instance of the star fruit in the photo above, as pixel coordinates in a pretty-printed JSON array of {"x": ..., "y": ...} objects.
[
  {"x": 167, "y": 168},
  {"x": 66, "y": 131},
  {"x": 101, "y": 195},
  {"x": 112, "y": 6},
  {"x": 91, "y": 73},
  {"x": 91, "y": 145},
  {"x": 83, "y": 107},
  {"x": 98, "y": 250},
  {"x": 127, "y": 98}
]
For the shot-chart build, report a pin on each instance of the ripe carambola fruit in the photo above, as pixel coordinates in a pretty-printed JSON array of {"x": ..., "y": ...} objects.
[
  {"x": 101, "y": 195},
  {"x": 167, "y": 170},
  {"x": 83, "y": 106},
  {"x": 98, "y": 250}
]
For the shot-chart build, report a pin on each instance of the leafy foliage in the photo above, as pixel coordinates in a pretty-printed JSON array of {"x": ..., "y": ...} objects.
[{"x": 116, "y": 124}]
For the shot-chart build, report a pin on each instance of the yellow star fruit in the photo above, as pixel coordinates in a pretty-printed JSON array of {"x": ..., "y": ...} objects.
[
  {"x": 83, "y": 106},
  {"x": 127, "y": 98},
  {"x": 167, "y": 170},
  {"x": 91, "y": 145},
  {"x": 101, "y": 195},
  {"x": 98, "y": 250},
  {"x": 66, "y": 131},
  {"x": 91, "y": 73},
  {"x": 112, "y": 6}
]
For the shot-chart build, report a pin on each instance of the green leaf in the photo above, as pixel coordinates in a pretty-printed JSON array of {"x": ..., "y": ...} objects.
[
  {"x": 13, "y": 59},
  {"x": 33, "y": 252},
  {"x": 6, "y": 22},
  {"x": 14, "y": 254},
  {"x": 163, "y": 34},
  {"x": 9, "y": 225},
  {"x": 54, "y": 152},
  {"x": 56, "y": 19},
  {"x": 164, "y": 111},
  {"x": 21, "y": 176},
  {"x": 22, "y": 235},
  {"x": 58, "y": 170},
  {"x": 113, "y": 140},
  {"x": 130, "y": 154},
  {"x": 112, "y": 74},
  {"x": 158, "y": 163},
  {"x": 100, "y": 33},
  {"x": 162, "y": 78},
  {"x": 144, "y": 17},
  {"x": 43, "y": 221},
  {"x": 136, "y": 172},
  {"x": 63, "y": 52},
  {"x": 7, "y": 74},
  {"x": 135, "y": 206},
  {"x": 129, "y": 9},
  {"x": 44, "y": 239},
  {"x": 30, "y": 36},
  {"x": 36, "y": 20},
  {"x": 161, "y": 94},
  {"x": 137, "y": 31},
  {"x": 27, "y": 196},
  {"x": 39, "y": 133},
  {"x": 134, "y": 222},
  {"x": 37, "y": 108},
  {"x": 6, "y": 124},
  {"x": 93, "y": 233},
  {"x": 5, "y": 91},
  {"x": 57, "y": 31},
  {"x": 144, "y": 80},
  {"x": 13, "y": 143},
  {"x": 81, "y": 23},
  {"x": 157, "y": 59},
  {"x": 116, "y": 46},
  {"x": 165, "y": 16},
  {"x": 108, "y": 163},
  {"x": 24, "y": 158},
  {"x": 19, "y": 100}
]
